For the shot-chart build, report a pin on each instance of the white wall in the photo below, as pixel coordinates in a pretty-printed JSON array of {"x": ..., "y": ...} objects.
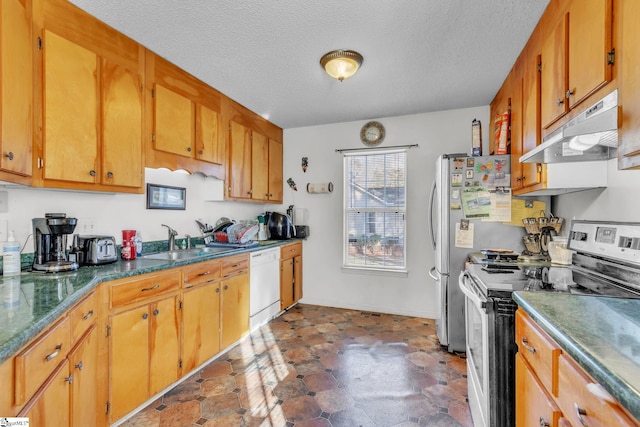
[
  {"x": 325, "y": 283},
  {"x": 620, "y": 201},
  {"x": 110, "y": 213}
]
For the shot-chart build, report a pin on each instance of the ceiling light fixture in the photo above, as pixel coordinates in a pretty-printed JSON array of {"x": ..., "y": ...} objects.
[{"x": 341, "y": 64}]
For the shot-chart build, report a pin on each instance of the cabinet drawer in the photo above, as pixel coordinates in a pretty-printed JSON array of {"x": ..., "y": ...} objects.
[
  {"x": 578, "y": 403},
  {"x": 36, "y": 362},
  {"x": 202, "y": 272},
  {"x": 142, "y": 287},
  {"x": 235, "y": 265},
  {"x": 82, "y": 316},
  {"x": 538, "y": 350},
  {"x": 290, "y": 251}
]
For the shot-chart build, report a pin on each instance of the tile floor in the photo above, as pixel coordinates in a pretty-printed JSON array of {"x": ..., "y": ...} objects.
[{"x": 323, "y": 367}]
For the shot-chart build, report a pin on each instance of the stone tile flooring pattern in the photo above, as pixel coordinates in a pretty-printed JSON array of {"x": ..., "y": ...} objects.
[{"x": 323, "y": 367}]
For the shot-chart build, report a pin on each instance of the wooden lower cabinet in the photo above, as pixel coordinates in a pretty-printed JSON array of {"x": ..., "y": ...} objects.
[
  {"x": 553, "y": 390},
  {"x": 290, "y": 274},
  {"x": 145, "y": 353},
  {"x": 47, "y": 406},
  {"x": 200, "y": 325},
  {"x": 83, "y": 365},
  {"x": 234, "y": 309}
]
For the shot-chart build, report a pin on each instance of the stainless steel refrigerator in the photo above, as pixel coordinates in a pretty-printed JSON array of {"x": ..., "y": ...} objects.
[{"x": 455, "y": 173}]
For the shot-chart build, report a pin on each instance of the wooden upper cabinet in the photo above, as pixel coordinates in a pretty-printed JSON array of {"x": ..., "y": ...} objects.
[
  {"x": 590, "y": 42},
  {"x": 554, "y": 73},
  {"x": 629, "y": 85},
  {"x": 239, "y": 178},
  {"x": 576, "y": 55},
  {"x": 16, "y": 91},
  {"x": 173, "y": 121},
  {"x": 260, "y": 166},
  {"x": 185, "y": 121},
  {"x": 275, "y": 170},
  {"x": 92, "y": 103}
]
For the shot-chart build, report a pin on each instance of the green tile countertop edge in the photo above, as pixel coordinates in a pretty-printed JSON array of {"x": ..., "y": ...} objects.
[
  {"x": 31, "y": 302},
  {"x": 602, "y": 334}
]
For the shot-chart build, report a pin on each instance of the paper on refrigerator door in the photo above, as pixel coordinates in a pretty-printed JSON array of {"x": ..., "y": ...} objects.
[
  {"x": 500, "y": 208},
  {"x": 464, "y": 234}
]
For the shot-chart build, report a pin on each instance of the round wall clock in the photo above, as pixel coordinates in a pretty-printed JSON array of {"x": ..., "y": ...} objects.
[{"x": 372, "y": 133}]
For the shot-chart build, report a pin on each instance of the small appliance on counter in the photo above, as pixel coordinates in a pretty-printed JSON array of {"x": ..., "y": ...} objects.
[
  {"x": 50, "y": 243},
  {"x": 280, "y": 226},
  {"x": 94, "y": 250},
  {"x": 300, "y": 222}
]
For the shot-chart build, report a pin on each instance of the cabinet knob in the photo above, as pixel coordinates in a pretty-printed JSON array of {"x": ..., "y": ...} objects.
[
  {"x": 156, "y": 312},
  {"x": 9, "y": 155},
  {"x": 201, "y": 152},
  {"x": 145, "y": 316},
  {"x": 69, "y": 379},
  {"x": 543, "y": 423},
  {"x": 226, "y": 287},
  {"x": 189, "y": 149},
  {"x": 92, "y": 172},
  {"x": 559, "y": 102},
  {"x": 109, "y": 174},
  {"x": 79, "y": 366},
  {"x": 570, "y": 93},
  {"x": 250, "y": 192},
  {"x": 217, "y": 290}
]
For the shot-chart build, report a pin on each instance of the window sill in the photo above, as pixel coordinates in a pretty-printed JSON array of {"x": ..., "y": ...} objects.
[{"x": 375, "y": 271}]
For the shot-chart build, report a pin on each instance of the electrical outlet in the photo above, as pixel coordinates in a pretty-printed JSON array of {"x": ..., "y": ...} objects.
[
  {"x": 87, "y": 225},
  {"x": 4, "y": 235}
]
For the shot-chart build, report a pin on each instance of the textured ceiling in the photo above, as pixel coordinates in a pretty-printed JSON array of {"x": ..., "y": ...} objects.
[{"x": 419, "y": 55}]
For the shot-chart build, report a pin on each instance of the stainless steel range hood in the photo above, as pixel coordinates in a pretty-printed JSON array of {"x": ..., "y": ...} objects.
[{"x": 593, "y": 135}]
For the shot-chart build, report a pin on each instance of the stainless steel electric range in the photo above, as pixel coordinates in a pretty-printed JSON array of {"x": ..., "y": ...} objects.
[{"x": 606, "y": 263}]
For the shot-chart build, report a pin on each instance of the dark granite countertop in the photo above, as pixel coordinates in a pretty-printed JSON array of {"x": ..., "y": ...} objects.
[
  {"x": 31, "y": 302},
  {"x": 602, "y": 334}
]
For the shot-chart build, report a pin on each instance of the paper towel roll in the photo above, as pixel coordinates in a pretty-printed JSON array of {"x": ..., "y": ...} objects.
[{"x": 320, "y": 188}]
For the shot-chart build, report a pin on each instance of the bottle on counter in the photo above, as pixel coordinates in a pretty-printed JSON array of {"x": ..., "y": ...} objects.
[
  {"x": 11, "y": 256},
  {"x": 138, "y": 243}
]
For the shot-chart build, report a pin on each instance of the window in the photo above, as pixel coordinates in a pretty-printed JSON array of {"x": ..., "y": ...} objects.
[{"x": 374, "y": 209}]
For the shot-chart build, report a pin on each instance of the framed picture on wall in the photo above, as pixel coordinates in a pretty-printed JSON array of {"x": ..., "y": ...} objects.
[{"x": 165, "y": 197}]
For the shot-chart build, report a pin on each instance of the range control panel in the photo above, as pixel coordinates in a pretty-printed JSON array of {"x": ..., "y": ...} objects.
[{"x": 617, "y": 240}]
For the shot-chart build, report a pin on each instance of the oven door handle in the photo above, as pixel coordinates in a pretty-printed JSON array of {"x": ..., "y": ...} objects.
[{"x": 469, "y": 293}]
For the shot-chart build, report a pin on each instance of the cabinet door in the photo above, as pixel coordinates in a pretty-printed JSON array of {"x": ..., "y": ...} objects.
[
  {"x": 554, "y": 76},
  {"x": 211, "y": 147},
  {"x": 121, "y": 125},
  {"x": 83, "y": 365},
  {"x": 239, "y": 161},
  {"x": 234, "y": 309},
  {"x": 129, "y": 361},
  {"x": 534, "y": 407},
  {"x": 174, "y": 122},
  {"x": 16, "y": 87},
  {"x": 297, "y": 278},
  {"x": 200, "y": 325},
  {"x": 589, "y": 41},
  {"x": 50, "y": 406},
  {"x": 164, "y": 344},
  {"x": 286, "y": 283},
  {"x": 259, "y": 166},
  {"x": 70, "y": 111},
  {"x": 529, "y": 172},
  {"x": 275, "y": 171}
]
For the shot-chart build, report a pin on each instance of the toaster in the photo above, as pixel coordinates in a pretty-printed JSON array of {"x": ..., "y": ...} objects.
[{"x": 97, "y": 250}]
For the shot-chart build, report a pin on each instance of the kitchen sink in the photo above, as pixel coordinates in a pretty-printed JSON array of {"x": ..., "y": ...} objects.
[{"x": 186, "y": 254}]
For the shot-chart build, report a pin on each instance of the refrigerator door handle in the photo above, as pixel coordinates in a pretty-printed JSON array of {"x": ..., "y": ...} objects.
[
  {"x": 431, "y": 273},
  {"x": 431, "y": 201}
]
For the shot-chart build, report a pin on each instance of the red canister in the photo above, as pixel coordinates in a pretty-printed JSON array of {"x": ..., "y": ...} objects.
[{"x": 128, "y": 248}]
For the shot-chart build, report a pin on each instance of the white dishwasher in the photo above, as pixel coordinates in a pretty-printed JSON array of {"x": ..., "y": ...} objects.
[{"x": 264, "y": 291}]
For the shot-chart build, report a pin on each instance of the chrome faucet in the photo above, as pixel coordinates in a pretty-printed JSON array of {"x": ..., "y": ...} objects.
[{"x": 172, "y": 237}]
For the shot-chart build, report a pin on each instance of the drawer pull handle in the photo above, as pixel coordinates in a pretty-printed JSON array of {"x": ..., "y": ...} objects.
[
  {"x": 543, "y": 423},
  {"x": 54, "y": 354},
  {"x": 579, "y": 413},
  {"x": 205, "y": 273},
  {"x": 150, "y": 289},
  {"x": 528, "y": 347},
  {"x": 79, "y": 366},
  {"x": 69, "y": 379},
  {"x": 88, "y": 315}
]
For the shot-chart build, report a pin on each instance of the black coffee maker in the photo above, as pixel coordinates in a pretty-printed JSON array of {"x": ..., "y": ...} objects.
[{"x": 50, "y": 243}]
